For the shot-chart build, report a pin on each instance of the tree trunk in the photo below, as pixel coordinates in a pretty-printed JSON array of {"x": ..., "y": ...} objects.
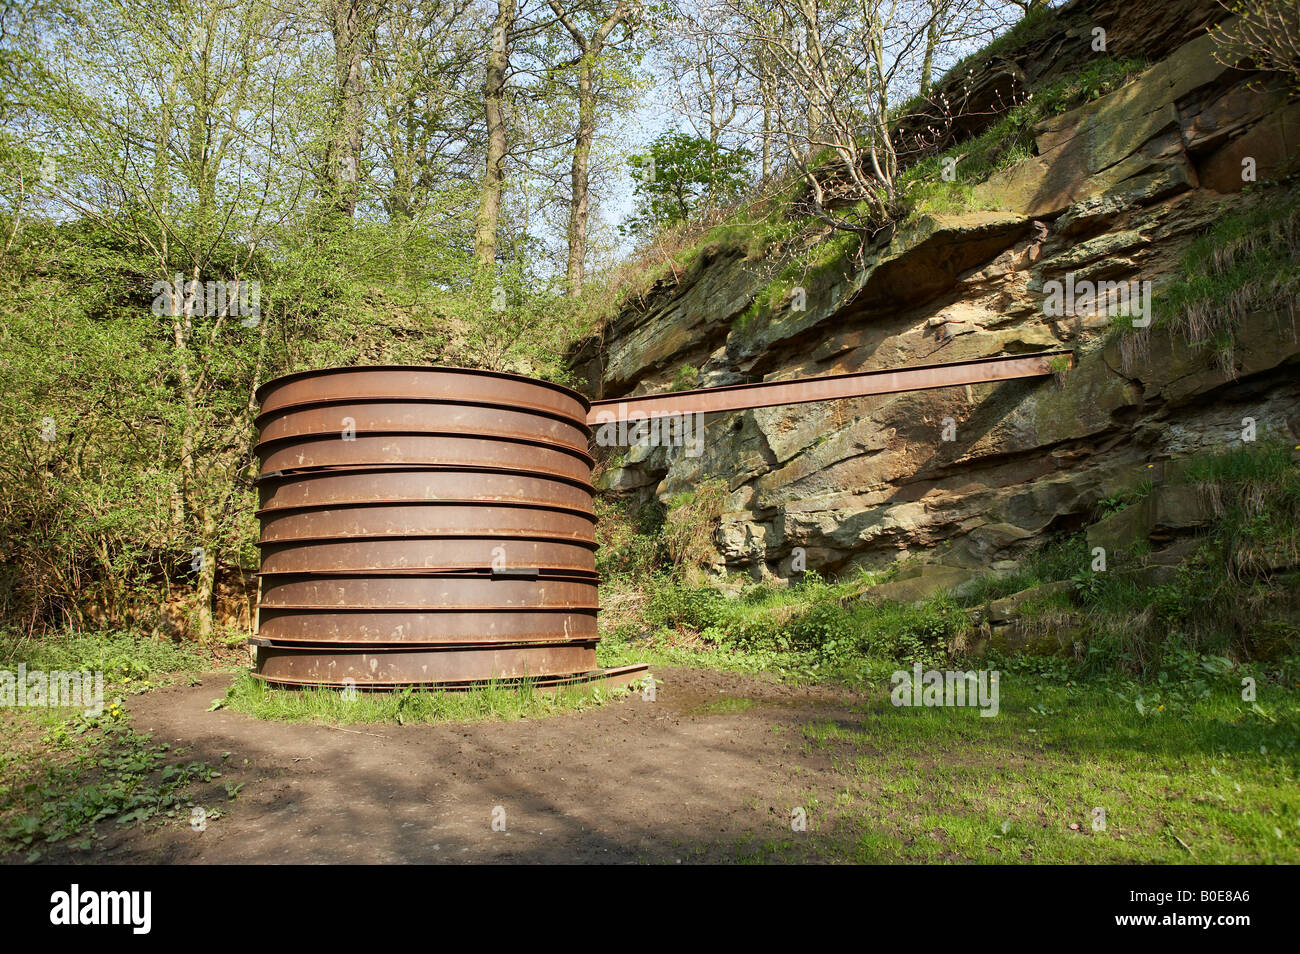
[
  {"x": 494, "y": 94},
  {"x": 205, "y": 587},
  {"x": 346, "y": 21},
  {"x": 590, "y": 49},
  {"x": 927, "y": 64},
  {"x": 578, "y": 210}
]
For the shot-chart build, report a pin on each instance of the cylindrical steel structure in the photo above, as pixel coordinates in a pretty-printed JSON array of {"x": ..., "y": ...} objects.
[{"x": 424, "y": 526}]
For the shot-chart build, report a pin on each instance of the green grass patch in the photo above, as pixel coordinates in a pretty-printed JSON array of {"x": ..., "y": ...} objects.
[
  {"x": 1006, "y": 142},
  {"x": 1202, "y": 777},
  {"x": 131, "y": 662},
  {"x": 490, "y": 702},
  {"x": 813, "y": 629}
]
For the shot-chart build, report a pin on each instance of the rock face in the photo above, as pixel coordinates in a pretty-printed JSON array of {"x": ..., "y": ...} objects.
[{"x": 1117, "y": 190}]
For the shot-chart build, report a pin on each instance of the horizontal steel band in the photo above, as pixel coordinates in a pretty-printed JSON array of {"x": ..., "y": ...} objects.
[
  {"x": 428, "y": 628},
  {"x": 615, "y": 676},
  {"x": 423, "y": 666},
  {"x": 419, "y": 383},
  {"x": 429, "y": 593},
  {"x": 406, "y": 449},
  {"x": 332, "y": 488},
  {"x": 410, "y": 417},
  {"x": 582, "y": 576},
  {"x": 446, "y": 553},
  {"x": 431, "y": 520}
]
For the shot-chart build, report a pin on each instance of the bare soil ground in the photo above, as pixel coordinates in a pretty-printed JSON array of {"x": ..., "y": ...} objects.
[{"x": 709, "y": 771}]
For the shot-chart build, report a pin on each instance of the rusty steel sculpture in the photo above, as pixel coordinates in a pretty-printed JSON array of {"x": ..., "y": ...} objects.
[{"x": 434, "y": 526}]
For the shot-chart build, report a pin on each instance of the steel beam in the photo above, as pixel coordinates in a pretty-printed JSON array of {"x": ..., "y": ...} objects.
[{"x": 742, "y": 397}]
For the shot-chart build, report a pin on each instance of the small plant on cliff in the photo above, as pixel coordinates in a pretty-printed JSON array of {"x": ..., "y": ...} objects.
[
  {"x": 1248, "y": 262},
  {"x": 684, "y": 379},
  {"x": 1254, "y": 493},
  {"x": 1123, "y": 499},
  {"x": 690, "y": 523}
]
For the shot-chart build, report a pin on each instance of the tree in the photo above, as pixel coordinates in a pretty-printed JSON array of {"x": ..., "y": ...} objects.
[
  {"x": 1265, "y": 32},
  {"x": 591, "y": 25},
  {"x": 679, "y": 175},
  {"x": 349, "y": 22},
  {"x": 424, "y": 62},
  {"x": 827, "y": 74},
  {"x": 494, "y": 95},
  {"x": 168, "y": 157},
  {"x": 707, "y": 78}
]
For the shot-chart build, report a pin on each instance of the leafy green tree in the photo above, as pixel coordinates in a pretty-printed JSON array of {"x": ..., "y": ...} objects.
[{"x": 680, "y": 175}]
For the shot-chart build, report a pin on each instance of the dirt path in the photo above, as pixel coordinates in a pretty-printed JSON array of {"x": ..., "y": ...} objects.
[{"x": 708, "y": 771}]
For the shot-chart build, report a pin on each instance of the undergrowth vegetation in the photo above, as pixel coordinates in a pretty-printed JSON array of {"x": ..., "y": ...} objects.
[
  {"x": 945, "y": 182},
  {"x": 67, "y": 770},
  {"x": 61, "y": 784},
  {"x": 1248, "y": 261}
]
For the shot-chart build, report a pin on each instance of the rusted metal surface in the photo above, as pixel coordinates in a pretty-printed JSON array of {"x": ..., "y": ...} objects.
[
  {"x": 397, "y": 486},
  {"x": 416, "y": 383},
  {"x": 414, "y": 417},
  {"x": 609, "y": 678},
  {"x": 424, "y": 520},
  {"x": 436, "y": 594},
  {"x": 423, "y": 627},
  {"x": 425, "y": 450},
  {"x": 395, "y": 665},
  {"x": 740, "y": 397},
  {"x": 424, "y": 526},
  {"x": 410, "y": 554},
  {"x": 428, "y": 610}
]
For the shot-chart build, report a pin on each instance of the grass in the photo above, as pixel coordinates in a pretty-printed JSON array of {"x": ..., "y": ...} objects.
[
  {"x": 814, "y": 630},
  {"x": 1212, "y": 780},
  {"x": 490, "y": 702},
  {"x": 131, "y": 662},
  {"x": 1248, "y": 261}
]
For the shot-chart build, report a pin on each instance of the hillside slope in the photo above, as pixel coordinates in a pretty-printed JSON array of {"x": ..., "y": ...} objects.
[{"x": 1122, "y": 188}]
